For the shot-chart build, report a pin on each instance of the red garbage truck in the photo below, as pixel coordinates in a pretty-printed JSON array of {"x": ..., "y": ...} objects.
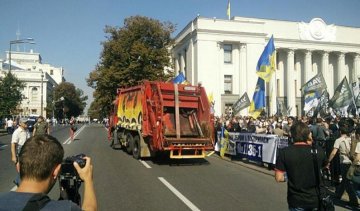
[{"x": 162, "y": 117}]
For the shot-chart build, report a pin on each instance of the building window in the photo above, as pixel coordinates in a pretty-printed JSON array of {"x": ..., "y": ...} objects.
[
  {"x": 34, "y": 94},
  {"x": 51, "y": 72},
  {"x": 228, "y": 84},
  {"x": 227, "y": 53}
]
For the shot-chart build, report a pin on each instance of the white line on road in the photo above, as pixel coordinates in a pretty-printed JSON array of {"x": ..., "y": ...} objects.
[
  {"x": 4, "y": 146},
  {"x": 145, "y": 164},
  {"x": 68, "y": 141},
  {"x": 179, "y": 195}
]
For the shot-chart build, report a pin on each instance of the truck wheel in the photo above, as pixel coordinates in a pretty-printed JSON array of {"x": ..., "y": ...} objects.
[
  {"x": 137, "y": 147},
  {"x": 130, "y": 143}
]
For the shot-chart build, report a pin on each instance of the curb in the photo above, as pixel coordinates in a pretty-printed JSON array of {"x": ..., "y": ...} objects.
[{"x": 253, "y": 166}]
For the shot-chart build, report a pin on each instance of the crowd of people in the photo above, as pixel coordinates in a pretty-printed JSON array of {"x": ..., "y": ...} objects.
[{"x": 332, "y": 137}]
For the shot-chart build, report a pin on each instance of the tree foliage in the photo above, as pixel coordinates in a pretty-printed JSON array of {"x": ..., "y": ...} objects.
[
  {"x": 69, "y": 100},
  {"x": 132, "y": 53},
  {"x": 10, "y": 94}
]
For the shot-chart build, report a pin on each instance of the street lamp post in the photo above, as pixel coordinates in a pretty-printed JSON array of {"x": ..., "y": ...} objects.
[
  {"x": 42, "y": 77},
  {"x": 27, "y": 40}
]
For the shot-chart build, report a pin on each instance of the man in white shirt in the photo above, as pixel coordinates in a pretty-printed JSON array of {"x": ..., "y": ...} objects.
[
  {"x": 20, "y": 135},
  {"x": 18, "y": 139},
  {"x": 10, "y": 126}
]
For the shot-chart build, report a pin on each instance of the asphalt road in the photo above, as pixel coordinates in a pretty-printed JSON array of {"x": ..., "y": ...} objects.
[{"x": 123, "y": 183}]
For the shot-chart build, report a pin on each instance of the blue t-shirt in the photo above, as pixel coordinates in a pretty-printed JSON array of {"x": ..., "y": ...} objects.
[{"x": 16, "y": 201}]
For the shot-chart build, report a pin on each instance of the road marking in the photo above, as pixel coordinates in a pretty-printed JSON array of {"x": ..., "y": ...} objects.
[
  {"x": 211, "y": 153},
  {"x": 68, "y": 141},
  {"x": 4, "y": 146},
  {"x": 179, "y": 195},
  {"x": 145, "y": 164},
  {"x": 14, "y": 188}
]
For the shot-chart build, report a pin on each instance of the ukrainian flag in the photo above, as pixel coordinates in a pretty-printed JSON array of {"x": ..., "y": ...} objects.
[
  {"x": 180, "y": 79},
  {"x": 228, "y": 10},
  {"x": 266, "y": 64},
  {"x": 258, "y": 101}
]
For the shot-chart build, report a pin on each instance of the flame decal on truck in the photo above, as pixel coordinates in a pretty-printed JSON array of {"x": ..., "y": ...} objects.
[{"x": 130, "y": 110}]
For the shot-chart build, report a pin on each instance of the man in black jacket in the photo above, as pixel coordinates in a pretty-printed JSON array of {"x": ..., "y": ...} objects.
[{"x": 295, "y": 165}]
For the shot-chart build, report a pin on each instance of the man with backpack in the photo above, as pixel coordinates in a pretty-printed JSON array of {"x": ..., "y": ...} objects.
[{"x": 320, "y": 132}]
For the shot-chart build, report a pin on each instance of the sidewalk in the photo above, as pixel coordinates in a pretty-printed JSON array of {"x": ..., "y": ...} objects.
[{"x": 263, "y": 168}]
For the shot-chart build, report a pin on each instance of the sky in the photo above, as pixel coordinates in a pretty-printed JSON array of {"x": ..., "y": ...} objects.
[{"x": 69, "y": 33}]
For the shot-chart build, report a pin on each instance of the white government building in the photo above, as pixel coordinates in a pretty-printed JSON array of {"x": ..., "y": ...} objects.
[
  {"x": 223, "y": 54},
  {"x": 40, "y": 80}
]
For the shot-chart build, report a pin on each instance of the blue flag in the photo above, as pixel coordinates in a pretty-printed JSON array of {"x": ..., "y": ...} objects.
[
  {"x": 179, "y": 78},
  {"x": 258, "y": 101},
  {"x": 266, "y": 64}
]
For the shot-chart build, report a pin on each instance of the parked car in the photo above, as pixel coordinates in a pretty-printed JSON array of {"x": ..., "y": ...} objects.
[{"x": 30, "y": 123}]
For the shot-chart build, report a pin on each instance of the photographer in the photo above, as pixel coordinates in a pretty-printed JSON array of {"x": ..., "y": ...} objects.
[{"x": 39, "y": 166}]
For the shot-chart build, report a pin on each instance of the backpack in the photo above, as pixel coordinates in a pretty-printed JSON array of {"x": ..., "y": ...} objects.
[{"x": 41, "y": 128}]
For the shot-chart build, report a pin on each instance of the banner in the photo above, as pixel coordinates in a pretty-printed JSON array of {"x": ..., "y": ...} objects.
[
  {"x": 321, "y": 108},
  {"x": 255, "y": 147},
  {"x": 342, "y": 95},
  {"x": 311, "y": 101},
  {"x": 315, "y": 84},
  {"x": 242, "y": 103}
]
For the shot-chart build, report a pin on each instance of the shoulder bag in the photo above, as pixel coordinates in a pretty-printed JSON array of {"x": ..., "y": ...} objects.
[
  {"x": 36, "y": 202},
  {"x": 325, "y": 201}
]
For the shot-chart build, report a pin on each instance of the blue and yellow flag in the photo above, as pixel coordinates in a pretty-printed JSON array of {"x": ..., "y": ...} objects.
[
  {"x": 266, "y": 64},
  {"x": 180, "y": 79},
  {"x": 228, "y": 10},
  {"x": 258, "y": 101}
]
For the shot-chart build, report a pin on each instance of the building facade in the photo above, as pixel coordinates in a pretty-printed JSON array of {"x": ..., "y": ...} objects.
[
  {"x": 223, "y": 54},
  {"x": 40, "y": 80}
]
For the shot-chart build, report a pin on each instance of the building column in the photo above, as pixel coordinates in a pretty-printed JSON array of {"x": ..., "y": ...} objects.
[
  {"x": 177, "y": 66},
  {"x": 182, "y": 63},
  {"x": 341, "y": 68},
  {"x": 308, "y": 65},
  {"x": 325, "y": 69},
  {"x": 242, "y": 74},
  {"x": 290, "y": 87}
]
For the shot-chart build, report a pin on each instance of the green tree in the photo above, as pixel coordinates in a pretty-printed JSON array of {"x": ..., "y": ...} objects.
[
  {"x": 137, "y": 51},
  {"x": 10, "y": 94},
  {"x": 70, "y": 101}
]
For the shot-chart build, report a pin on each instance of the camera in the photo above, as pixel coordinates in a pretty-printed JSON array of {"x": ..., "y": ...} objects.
[{"x": 69, "y": 179}]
